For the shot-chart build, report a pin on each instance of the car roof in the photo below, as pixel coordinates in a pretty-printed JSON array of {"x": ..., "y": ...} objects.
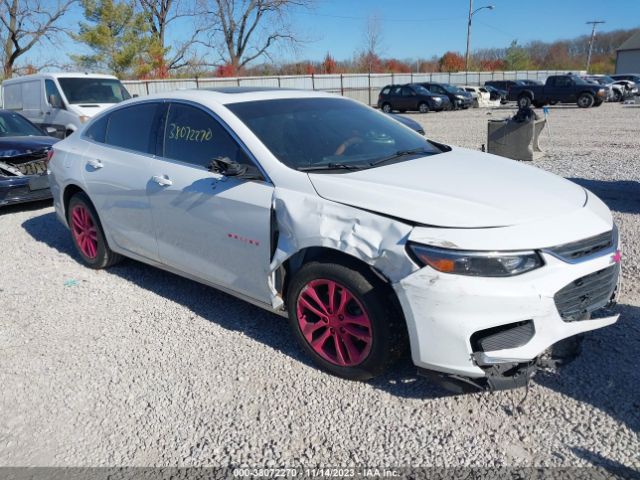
[
  {"x": 230, "y": 95},
  {"x": 38, "y": 76}
]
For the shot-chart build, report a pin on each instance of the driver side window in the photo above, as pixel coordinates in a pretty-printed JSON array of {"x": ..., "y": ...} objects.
[
  {"x": 193, "y": 136},
  {"x": 52, "y": 94}
]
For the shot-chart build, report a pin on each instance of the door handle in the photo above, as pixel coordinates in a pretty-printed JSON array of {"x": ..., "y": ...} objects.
[
  {"x": 163, "y": 181},
  {"x": 96, "y": 164}
]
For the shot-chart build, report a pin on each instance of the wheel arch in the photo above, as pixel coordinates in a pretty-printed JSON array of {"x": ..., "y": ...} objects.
[
  {"x": 295, "y": 262},
  {"x": 526, "y": 93},
  {"x": 69, "y": 191}
]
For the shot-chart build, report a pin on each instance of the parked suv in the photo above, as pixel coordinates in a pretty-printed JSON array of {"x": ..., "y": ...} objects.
[
  {"x": 411, "y": 97},
  {"x": 458, "y": 97}
]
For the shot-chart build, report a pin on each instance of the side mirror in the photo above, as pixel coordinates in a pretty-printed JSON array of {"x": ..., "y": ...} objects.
[
  {"x": 55, "y": 101},
  {"x": 135, "y": 95},
  {"x": 229, "y": 168}
]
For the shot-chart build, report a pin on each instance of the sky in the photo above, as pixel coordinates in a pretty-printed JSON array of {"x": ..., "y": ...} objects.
[{"x": 414, "y": 29}]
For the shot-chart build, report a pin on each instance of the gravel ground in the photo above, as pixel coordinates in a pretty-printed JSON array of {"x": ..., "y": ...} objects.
[{"x": 135, "y": 366}]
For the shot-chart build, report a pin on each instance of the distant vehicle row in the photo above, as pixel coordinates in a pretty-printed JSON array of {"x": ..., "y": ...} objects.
[{"x": 423, "y": 97}]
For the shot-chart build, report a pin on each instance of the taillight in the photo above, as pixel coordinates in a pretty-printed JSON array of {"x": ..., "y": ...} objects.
[{"x": 49, "y": 156}]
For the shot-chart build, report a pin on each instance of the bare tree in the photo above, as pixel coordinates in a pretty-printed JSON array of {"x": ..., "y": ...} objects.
[
  {"x": 243, "y": 30},
  {"x": 160, "y": 14},
  {"x": 372, "y": 37},
  {"x": 26, "y": 23}
]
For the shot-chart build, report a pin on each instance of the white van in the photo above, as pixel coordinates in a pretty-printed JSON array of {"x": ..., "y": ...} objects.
[{"x": 63, "y": 101}]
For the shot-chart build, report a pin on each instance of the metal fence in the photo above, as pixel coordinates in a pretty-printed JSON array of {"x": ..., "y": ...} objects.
[{"x": 359, "y": 86}]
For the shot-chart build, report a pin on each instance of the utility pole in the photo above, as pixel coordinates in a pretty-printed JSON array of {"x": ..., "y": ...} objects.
[
  {"x": 472, "y": 12},
  {"x": 466, "y": 57},
  {"x": 593, "y": 23}
]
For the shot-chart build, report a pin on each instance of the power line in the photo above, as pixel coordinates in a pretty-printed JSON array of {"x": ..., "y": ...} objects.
[{"x": 401, "y": 20}]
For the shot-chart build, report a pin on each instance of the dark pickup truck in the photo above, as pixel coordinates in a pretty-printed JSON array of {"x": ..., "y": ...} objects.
[{"x": 559, "y": 89}]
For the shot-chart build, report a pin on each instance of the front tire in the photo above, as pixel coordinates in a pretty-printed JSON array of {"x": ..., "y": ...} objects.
[
  {"x": 524, "y": 101},
  {"x": 343, "y": 319},
  {"x": 423, "y": 107},
  {"x": 88, "y": 235},
  {"x": 585, "y": 100}
]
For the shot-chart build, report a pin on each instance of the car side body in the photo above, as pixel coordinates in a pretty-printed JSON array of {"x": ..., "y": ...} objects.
[
  {"x": 559, "y": 89},
  {"x": 260, "y": 230},
  {"x": 459, "y": 98},
  {"x": 411, "y": 97}
]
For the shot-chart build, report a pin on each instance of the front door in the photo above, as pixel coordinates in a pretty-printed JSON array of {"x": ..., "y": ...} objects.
[{"x": 214, "y": 227}]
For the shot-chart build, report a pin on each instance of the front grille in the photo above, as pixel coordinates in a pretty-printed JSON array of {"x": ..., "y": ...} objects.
[
  {"x": 512, "y": 335},
  {"x": 583, "y": 248},
  {"x": 587, "y": 294}
]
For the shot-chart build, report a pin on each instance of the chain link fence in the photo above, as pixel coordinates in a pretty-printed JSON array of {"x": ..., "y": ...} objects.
[{"x": 359, "y": 86}]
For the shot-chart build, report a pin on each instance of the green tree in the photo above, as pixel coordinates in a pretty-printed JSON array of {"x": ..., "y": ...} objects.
[
  {"x": 118, "y": 36},
  {"x": 517, "y": 58}
]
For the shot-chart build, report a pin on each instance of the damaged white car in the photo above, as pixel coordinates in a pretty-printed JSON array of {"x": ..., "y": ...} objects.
[{"x": 364, "y": 233}]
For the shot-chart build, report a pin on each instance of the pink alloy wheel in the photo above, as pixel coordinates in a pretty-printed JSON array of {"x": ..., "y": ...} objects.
[
  {"x": 334, "y": 323},
  {"x": 84, "y": 231}
]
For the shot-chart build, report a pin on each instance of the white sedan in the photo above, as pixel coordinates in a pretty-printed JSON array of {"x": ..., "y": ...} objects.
[{"x": 361, "y": 231}]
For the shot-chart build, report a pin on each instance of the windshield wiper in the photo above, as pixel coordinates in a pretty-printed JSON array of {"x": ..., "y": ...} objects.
[
  {"x": 399, "y": 154},
  {"x": 330, "y": 166}
]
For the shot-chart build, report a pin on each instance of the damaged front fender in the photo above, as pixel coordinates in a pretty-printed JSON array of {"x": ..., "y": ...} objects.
[{"x": 305, "y": 221}]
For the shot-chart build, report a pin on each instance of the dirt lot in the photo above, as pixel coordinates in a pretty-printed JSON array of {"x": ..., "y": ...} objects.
[{"x": 135, "y": 366}]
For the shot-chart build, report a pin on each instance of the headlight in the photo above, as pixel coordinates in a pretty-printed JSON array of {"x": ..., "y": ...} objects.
[
  {"x": 479, "y": 264},
  {"x": 84, "y": 118},
  {"x": 437, "y": 99},
  {"x": 460, "y": 97}
]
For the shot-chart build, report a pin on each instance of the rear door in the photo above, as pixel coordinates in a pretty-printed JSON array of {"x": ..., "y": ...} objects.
[
  {"x": 214, "y": 227},
  {"x": 409, "y": 99},
  {"x": 117, "y": 172}
]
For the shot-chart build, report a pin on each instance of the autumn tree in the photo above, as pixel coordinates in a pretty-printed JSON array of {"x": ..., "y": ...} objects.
[
  {"x": 451, "y": 62},
  {"x": 369, "y": 59},
  {"x": 27, "y": 23},
  {"x": 516, "y": 57},
  {"x": 118, "y": 36},
  {"x": 244, "y": 30},
  {"x": 329, "y": 64},
  {"x": 161, "y": 15}
]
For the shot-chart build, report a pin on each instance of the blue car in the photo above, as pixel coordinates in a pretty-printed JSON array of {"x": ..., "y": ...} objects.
[{"x": 24, "y": 152}]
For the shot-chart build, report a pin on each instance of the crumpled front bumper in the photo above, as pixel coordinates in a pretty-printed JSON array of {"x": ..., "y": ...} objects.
[
  {"x": 443, "y": 312},
  {"x": 27, "y": 188}
]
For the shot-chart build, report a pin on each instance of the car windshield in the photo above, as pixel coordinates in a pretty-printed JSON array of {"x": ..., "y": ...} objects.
[
  {"x": 329, "y": 134},
  {"x": 14, "y": 125},
  {"x": 581, "y": 81},
  {"x": 93, "y": 90},
  {"x": 606, "y": 79},
  {"x": 450, "y": 88},
  {"x": 421, "y": 90}
]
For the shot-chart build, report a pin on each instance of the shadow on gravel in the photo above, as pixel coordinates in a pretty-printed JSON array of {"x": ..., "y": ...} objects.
[
  {"x": 620, "y": 195},
  {"x": 616, "y": 469},
  {"x": 25, "y": 207},
  {"x": 225, "y": 310},
  {"x": 606, "y": 373}
]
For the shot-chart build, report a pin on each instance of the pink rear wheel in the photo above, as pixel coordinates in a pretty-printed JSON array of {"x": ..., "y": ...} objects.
[
  {"x": 334, "y": 323},
  {"x": 87, "y": 233},
  {"x": 84, "y": 231}
]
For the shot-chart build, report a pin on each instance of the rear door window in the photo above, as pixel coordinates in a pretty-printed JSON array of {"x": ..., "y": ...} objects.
[
  {"x": 134, "y": 128},
  {"x": 194, "y": 136}
]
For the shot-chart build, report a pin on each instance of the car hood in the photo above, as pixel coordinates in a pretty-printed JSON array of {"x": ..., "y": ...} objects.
[
  {"x": 89, "y": 109},
  {"x": 461, "y": 188},
  {"x": 13, "y": 146}
]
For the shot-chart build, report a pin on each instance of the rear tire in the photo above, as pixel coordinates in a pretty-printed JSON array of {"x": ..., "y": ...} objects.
[
  {"x": 617, "y": 96},
  {"x": 524, "y": 101},
  {"x": 88, "y": 235},
  {"x": 386, "y": 108},
  {"x": 358, "y": 334},
  {"x": 585, "y": 100}
]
